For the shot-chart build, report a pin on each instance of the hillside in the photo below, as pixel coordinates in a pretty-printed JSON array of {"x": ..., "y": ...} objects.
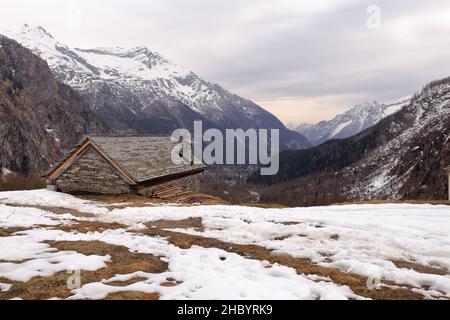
[
  {"x": 39, "y": 117},
  {"x": 402, "y": 157}
]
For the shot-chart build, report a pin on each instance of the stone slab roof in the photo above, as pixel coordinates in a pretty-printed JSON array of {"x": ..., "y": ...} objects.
[{"x": 141, "y": 157}]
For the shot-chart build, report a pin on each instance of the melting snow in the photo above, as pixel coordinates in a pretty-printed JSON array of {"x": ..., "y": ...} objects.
[{"x": 361, "y": 239}]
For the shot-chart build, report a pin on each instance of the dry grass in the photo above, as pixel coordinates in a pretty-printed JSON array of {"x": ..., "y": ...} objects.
[
  {"x": 419, "y": 268},
  {"x": 303, "y": 266},
  {"x": 91, "y": 226},
  {"x": 195, "y": 223},
  {"x": 127, "y": 282},
  {"x": 122, "y": 262},
  {"x": 17, "y": 182},
  {"x": 132, "y": 295},
  {"x": 6, "y": 232},
  {"x": 125, "y": 262},
  {"x": 199, "y": 198}
]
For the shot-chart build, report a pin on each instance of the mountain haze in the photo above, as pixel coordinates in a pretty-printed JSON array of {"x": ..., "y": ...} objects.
[{"x": 349, "y": 123}]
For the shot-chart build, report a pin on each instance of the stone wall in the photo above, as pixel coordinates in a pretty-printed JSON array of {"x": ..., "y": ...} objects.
[
  {"x": 191, "y": 183},
  {"x": 91, "y": 173}
]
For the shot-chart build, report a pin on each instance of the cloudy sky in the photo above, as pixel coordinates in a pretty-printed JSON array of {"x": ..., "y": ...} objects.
[{"x": 304, "y": 61}]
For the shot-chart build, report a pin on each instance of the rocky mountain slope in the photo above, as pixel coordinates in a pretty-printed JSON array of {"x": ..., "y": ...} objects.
[
  {"x": 351, "y": 122},
  {"x": 402, "y": 157},
  {"x": 39, "y": 117},
  {"x": 138, "y": 89}
]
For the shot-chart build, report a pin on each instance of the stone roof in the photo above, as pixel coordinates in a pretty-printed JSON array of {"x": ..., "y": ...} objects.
[{"x": 141, "y": 157}]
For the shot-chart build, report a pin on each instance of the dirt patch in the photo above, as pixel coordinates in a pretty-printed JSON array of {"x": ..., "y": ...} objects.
[
  {"x": 195, "y": 223},
  {"x": 168, "y": 284},
  {"x": 132, "y": 295},
  {"x": 126, "y": 283},
  {"x": 134, "y": 200},
  {"x": 122, "y": 262},
  {"x": 303, "y": 266},
  {"x": 419, "y": 268},
  {"x": 55, "y": 210},
  {"x": 6, "y": 232},
  {"x": 91, "y": 226},
  {"x": 199, "y": 198},
  {"x": 38, "y": 288}
]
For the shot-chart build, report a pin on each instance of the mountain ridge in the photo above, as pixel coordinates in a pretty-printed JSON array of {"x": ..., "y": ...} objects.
[
  {"x": 138, "y": 89},
  {"x": 350, "y": 122}
]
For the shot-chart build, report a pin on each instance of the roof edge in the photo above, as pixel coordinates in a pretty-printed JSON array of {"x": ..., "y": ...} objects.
[
  {"x": 191, "y": 171},
  {"x": 72, "y": 157}
]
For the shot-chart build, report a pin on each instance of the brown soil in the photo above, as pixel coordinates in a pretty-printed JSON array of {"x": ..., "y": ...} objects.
[
  {"x": 132, "y": 295},
  {"x": 419, "y": 268},
  {"x": 127, "y": 282},
  {"x": 88, "y": 226},
  {"x": 122, "y": 262},
  {"x": 6, "y": 232},
  {"x": 199, "y": 198},
  {"x": 303, "y": 266},
  {"x": 195, "y": 223},
  {"x": 168, "y": 284}
]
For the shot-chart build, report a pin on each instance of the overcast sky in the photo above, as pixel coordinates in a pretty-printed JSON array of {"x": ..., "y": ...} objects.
[{"x": 304, "y": 61}]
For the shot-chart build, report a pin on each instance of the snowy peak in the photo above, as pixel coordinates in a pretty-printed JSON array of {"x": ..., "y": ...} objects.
[
  {"x": 139, "y": 89},
  {"x": 351, "y": 122},
  {"x": 35, "y": 31}
]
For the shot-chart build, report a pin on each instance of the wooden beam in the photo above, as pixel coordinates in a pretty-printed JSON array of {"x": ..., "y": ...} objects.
[{"x": 68, "y": 162}]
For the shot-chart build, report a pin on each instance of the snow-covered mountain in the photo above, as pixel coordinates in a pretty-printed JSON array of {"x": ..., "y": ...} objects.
[
  {"x": 403, "y": 156},
  {"x": 351, "y": 122},
  {"x": 138, "y": 89}
]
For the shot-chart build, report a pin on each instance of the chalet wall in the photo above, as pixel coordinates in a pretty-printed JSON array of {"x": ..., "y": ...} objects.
[
  {"x": 91, "y": 173},
  {"x": 191, "y": 183}
]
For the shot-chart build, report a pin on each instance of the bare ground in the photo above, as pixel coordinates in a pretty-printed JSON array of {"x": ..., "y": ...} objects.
[
  {"x": 303, "y": 266},
  {"x": 124, "y": 262}
]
